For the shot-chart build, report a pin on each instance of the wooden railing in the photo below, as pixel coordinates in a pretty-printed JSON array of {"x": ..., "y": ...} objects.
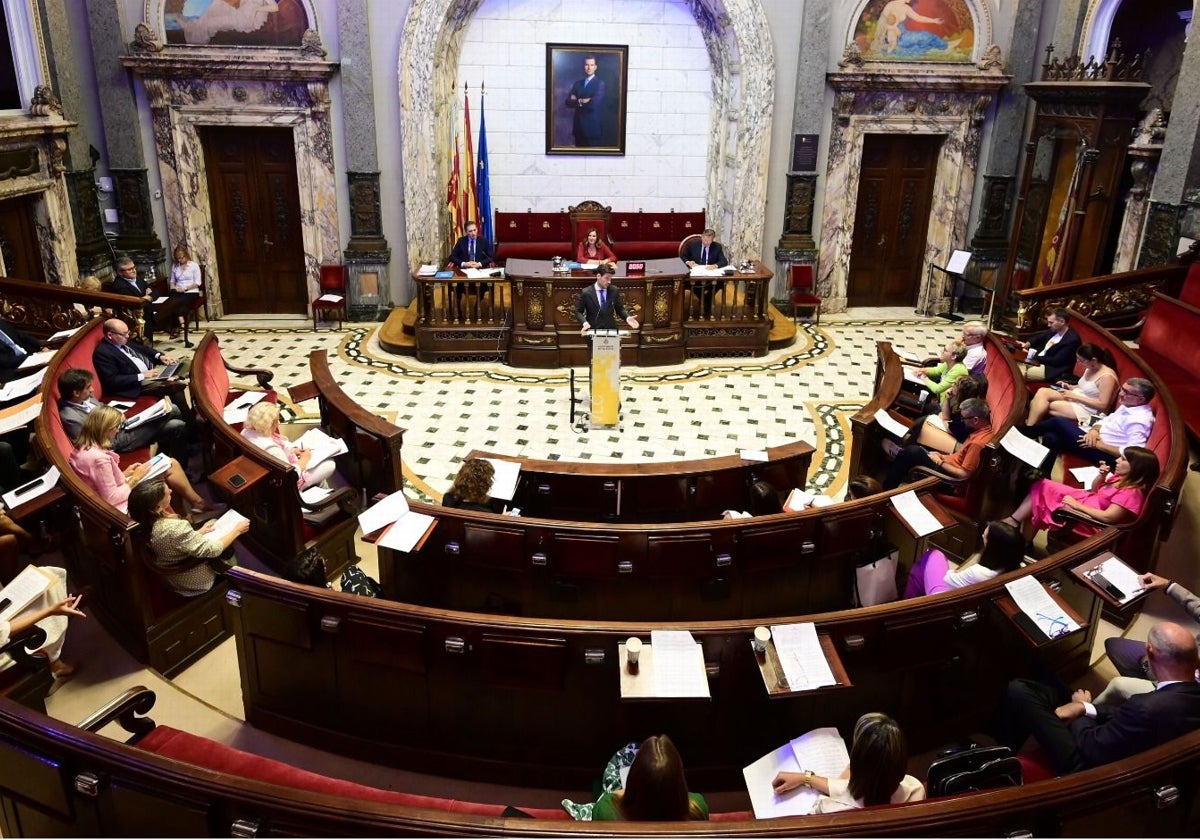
[{"x": 42, "y": 309}]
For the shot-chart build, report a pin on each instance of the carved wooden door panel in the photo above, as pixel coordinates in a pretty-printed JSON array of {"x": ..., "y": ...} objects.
[
  {"x": 891, "y": 218},
  {"x": 18, "y": 239},
  {"x": 256, "y": 219}
]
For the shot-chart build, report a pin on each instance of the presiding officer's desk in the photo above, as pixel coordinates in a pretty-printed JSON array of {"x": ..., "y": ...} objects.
[
  {"x": 527, "y": 318},
  {"x": 667, "y": 491}
]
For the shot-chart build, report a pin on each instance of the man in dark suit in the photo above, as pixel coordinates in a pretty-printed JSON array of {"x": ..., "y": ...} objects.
[
  {"x": 127, "y": 283},
  {"x": 600, "y": 302},
  {"x": 1078, "y": 734},
  {"x": 707, "y": 253},
  {"x": 1052, "y": 351},
  {"x": 470, "y": 252},
  {"x": 127, "y": 369},
  {"x": 587, "y": 98},
  {"x": 15, "y": 348},
  {"x": 77, "y": 398}
]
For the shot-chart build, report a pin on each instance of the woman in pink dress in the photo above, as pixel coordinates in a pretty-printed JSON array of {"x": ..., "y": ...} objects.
[{"x": 1118, "y": 496}]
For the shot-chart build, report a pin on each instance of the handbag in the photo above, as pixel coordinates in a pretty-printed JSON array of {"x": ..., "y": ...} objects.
[
  {"x": 875, "y": 581},
  {"x": 357, "y": 582},
  {"x": 974, "y": 769}
]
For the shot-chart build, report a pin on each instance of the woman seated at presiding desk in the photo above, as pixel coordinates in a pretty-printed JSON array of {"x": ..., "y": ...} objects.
[
  {"x": 471, "y": 487},
  {"x": 1118, "y": 497},
  {"x": 187, "y": 559},
  {"x": 99, "y": 467},
  {"x": 1000, "y": 551},
  {"x": 875, "y": 776},
  {"x": 262, "y": 429},
  {"x": 592, "y": 249}
]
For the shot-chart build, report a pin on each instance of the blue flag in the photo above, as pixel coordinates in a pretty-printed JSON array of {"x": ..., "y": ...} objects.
[{"x": 482, "y": 182}]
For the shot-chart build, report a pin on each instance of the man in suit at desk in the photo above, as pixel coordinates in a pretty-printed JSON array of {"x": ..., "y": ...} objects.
[
  {"x": 470, "y": 252},
  {"x": 128, "y": 369},
  {"x": 600, "y": 302},
  {"x": 708, "y": 253},
  {"x": 127, "y": 283},
  {"x": 1079, "y": 734},
  {"x": 587, "y": 98},
  {"x": 15, "y": 348},
  {"x": 1051, "y": 353}
]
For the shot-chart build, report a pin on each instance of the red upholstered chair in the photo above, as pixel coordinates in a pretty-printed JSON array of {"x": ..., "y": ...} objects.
[
  {"x": 801, "y": 292},
  {"x": 332, "y": 282}
]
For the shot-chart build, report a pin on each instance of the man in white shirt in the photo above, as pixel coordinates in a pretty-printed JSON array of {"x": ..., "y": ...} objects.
[
  {"x": 973, "y": 335},
  {"x": 1130, "y": 425}
]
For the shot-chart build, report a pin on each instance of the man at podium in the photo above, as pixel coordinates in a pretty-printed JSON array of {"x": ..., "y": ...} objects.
[{"x": 600, "y": 304}]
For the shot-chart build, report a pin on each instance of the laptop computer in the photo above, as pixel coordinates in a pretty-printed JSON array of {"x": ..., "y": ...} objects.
[{"x": 167, "y": 372}]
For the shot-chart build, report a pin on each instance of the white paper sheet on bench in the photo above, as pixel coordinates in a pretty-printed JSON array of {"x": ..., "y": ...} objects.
[
  {"x": 406, "y": 531},
  {"x": 889, "y": 423},
  {"x": 805, "y": 666},
  {"x": 504, "y": 481},
  {"x": 822, "y": 751},
  {"x": 384, "y": 512},
  {"x": 913, "y": 511},
  {"x": 1025, "y": 448}
]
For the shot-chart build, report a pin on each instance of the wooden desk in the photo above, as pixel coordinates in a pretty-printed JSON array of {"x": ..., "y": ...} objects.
[{"x": 774, "y": 681}]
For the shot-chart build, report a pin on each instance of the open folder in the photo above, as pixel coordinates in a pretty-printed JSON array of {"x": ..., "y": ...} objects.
[{"x": 822, "y": 751}]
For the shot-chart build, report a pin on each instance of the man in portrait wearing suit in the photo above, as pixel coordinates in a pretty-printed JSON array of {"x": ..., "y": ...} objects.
[
  {"x": 1079, "y": 734},
  {"x": 708, "y": 253},
  {"x": 127, "y": 369},
  {"x": 15, "y": 348},
  {"x": 600, "y": 304},
  {"x": 587, "y": 98}
]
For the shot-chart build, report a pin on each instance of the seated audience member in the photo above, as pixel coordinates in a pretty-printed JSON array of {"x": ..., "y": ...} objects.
[
  {"x": 1050, "y": 354},
  {"x": 592, "y": 249},
  {"x": 974, "y": 334},
  {"x": 99, "y": 467},
  {"x": 127, "y": 282},
  {"x": 763, "y": 501},
  {"x": 875, "y": 776},
  {"x": 89, "y": 283},
  {"x": 1128, "y": 656},
  {"x": 1000, "y": 551},
  {"x": 948, "y": 430},
  {"x": 862, "y": 486},
  {"x": 941, "y": 376},
  {"x": 1079, "y": 734},
  {"x": 656, "y": 789},
  {"x": 1092, "y": 394},
  {"x": 183, "y": 287},
  {"x": 77, "y": 399},
  {"x": 262, "y": 429},
  {"x": 1118, "y": 496},
  {"x": 127, "y": 369},
  {"x": 1129, "y": 425},
  {"x": 470, "y": 251},
  {"x": 977, "y": 416},
  {"x": 50, "y": 611},
  {"x": 15, "y": 348},
  {"x": 472, "y": 486},
  {"x": 188, "y": 559}
]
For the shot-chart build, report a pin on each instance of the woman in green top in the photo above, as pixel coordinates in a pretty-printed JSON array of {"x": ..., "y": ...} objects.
[
  {"x": 655, "y": 790},
  {"x": 940, "y": 377}
]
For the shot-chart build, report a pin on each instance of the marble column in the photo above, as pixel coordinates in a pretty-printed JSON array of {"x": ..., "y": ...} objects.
[
  {"x": 1068, "y": 27},
  {"x": 62, "y": 52},
  {"x": 796, "y": 243},
  {"x": 122, "y": 133},
  {"x": 1144, "y": 153},
  {"x": 1179, "y": 166},
  {"x": 366, "y": 254}
]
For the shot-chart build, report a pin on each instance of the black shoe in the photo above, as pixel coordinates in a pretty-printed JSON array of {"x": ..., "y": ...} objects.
[{"x": 188, "y": 344}]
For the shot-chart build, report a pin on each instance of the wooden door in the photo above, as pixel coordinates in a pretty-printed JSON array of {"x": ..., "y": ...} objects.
[
  {"x": 891, "y": 218},
  {"x": 18, "y": 239},
  {"x": 256, "y": 219}
]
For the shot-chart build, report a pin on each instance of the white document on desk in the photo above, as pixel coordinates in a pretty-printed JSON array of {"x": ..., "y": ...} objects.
[
  {"x": 479, "y": 273},
  {"x": 1121, "y": 576},
  {"x": 504, "y": 480},
  {"x": 61, "y": 334},
  {"x": 1025, "y": 448},
  {"x": 407, "y": 531},
  {"x": 22, "y": 387},
  {"x": 805, "y": 666},
  {"x": 889, "y": 423},
  {"x": 383, "y": 513},
  {"x": 822, "y": 751},
  {"x": 754, "y": 455},
  {"x": 23, "y": 589},
  {"x": 913, "y": 511},
  {"x": 14, "y": 417},
  {"x": 1032, "y": 598},
  {"x": 678, "y": 665},
  {"x": 915, "y": 376},
  {"x": 705, "y": 271},
  {"x": 34, "y": 359},
  {"x": 223, "y": 526},
  {"x": 32, "y": 489},
  {"x": 427, "y": 270}
]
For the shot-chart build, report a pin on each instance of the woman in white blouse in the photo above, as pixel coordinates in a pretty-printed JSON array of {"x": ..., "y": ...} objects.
[
  {"x": 184, "y": 284},
  {"x": 50, "y": 611},
  {"x": 875, "y": 776},
  {"x": 262, "y": 429},
  {"x": 1001, "y": 549}
]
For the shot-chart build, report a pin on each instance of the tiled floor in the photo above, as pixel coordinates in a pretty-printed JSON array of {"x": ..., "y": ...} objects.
[{"x": 695, "y": 410}]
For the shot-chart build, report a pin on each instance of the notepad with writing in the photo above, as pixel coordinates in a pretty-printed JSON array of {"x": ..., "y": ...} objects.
[
  {"x": 23, "y": 589},
  {"x": 822, "y": 751},
  {"x": 322, "y": 446}
]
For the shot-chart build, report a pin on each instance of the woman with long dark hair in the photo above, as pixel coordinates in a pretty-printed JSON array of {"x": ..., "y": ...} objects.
[
  {"x": 655, "y": 790},
  {"x": 1001, "y": 550}
]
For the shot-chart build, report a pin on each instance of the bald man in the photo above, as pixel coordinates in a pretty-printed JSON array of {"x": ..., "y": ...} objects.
[{"x": 1079, "y": 734}]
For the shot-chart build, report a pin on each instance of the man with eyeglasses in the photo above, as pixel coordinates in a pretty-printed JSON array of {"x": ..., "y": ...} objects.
[
  {"x": 1129, "y": 425},
  {"x": 128, "y": 369},
  {"x": 962, "y": 463}
]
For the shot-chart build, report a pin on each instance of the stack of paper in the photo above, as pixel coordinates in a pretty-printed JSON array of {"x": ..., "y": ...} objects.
[
  {"x": 229, "y": 520},
  {"x": 21, "y": 387},
  {"x": 237, "y": 410},
  {"x": 800, "y": 655},
  {"x": 322, "y": 446},
  {"x": 34, "y": 359},
  {"x": 331, "y": 299},
  {"x": 427, "y": 270},
  {"x": 822, "y": 751},
  {"x": 798, "y": 500},
  {"x": 915, "y": 514},
  {"x": 21, "y": 591},
  {"x": 504, "y": 481},
  {"x": 406, "y": 529},
  {"x": 678, "y": 665},
  {"x": 158, "y": 409}
]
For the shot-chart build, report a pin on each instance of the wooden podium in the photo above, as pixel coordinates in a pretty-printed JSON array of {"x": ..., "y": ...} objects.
[{"x": 604, "y": 379}]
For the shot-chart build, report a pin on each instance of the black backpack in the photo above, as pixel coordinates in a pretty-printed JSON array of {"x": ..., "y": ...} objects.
[{"x": 974, "y": 769}]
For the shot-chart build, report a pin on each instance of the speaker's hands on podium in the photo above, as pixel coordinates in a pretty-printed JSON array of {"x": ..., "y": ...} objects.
[{"x": 587, "y": 328}]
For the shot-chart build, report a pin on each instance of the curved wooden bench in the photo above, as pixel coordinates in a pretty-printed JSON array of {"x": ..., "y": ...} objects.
[{"x": 103, "y": 548}]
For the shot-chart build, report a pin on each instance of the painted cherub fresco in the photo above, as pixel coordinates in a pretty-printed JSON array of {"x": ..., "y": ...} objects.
[{"x": 915, "y": 30}]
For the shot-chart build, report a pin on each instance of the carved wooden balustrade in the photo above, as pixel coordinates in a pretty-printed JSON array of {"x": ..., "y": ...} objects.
[{"x": 42, "y": 309}]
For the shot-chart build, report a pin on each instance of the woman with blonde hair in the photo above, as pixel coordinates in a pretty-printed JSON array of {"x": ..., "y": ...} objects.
[
  {"x": 183, "y": 287},
  {"x": 876, "y": 774},
  {"x": 262, "y": 429},
  {"x": 100, "y": 468}
]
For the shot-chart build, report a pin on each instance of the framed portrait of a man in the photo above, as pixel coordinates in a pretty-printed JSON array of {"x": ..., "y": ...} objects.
[{"x": 586, "y": 86}]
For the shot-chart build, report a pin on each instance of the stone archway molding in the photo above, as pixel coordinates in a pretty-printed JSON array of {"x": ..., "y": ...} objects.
[
  {"x": 1097, "y": 27},
  {"x": 742, "y": 55}
]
